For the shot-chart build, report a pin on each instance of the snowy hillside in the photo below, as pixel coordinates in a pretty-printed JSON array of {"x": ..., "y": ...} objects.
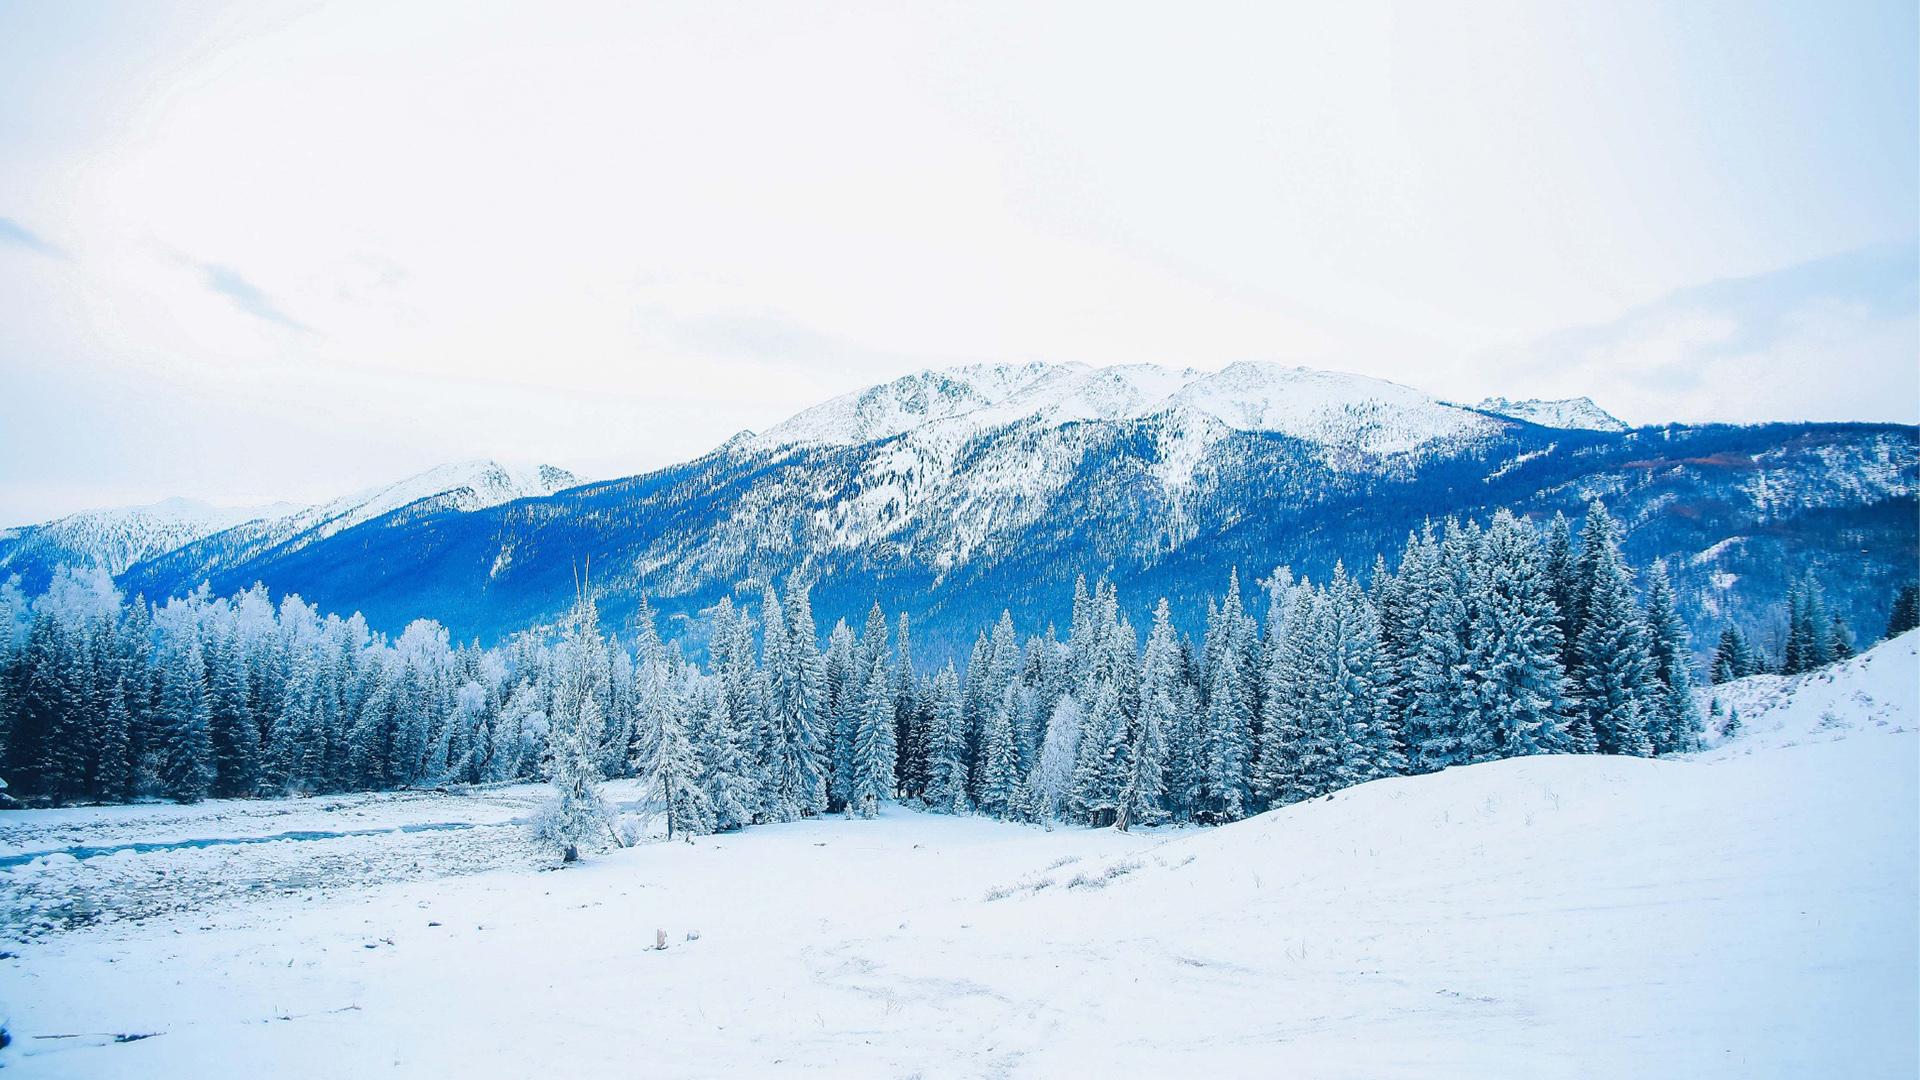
[
  {"x": 1579, "y": 413},
  {"x": 1747, "y": 911},
  {"x": 459, "y": 488},
  {"x": 1873, "y": 692},
  {"x": 115, "y": 539}
]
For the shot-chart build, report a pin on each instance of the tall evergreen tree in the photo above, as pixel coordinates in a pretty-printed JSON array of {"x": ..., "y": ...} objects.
[
  {"x": 188, "y": 768},
  {"x": 1676, "y": 724},
  {"x": 947, "y": 744},
  {"x": 1615, "y": 671},
  {"x": 874, "y": 753},
  {"x": 577, "y": 812},
  {"x": 1515, "y": 651}
]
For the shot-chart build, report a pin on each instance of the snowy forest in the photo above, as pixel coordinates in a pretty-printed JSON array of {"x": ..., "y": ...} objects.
[{"x": 1481, "y": 642}]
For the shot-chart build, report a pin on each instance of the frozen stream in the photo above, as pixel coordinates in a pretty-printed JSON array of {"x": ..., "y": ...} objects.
[{"x": 148, "y": 847}]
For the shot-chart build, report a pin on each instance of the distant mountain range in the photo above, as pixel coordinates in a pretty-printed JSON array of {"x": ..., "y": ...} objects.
[
  {"x": 197, "y": 538},
  {"x": 952, "y": 494}
]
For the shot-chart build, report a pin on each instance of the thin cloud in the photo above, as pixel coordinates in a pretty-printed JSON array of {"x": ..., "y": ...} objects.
[
  {"x": 247, "y": 296},
  {"x": 12, "y": 232},
  {"x": 1830, "y": 339}
]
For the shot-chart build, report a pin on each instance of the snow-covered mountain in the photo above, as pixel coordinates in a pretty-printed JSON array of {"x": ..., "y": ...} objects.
[
  {"x": 947, "y": 408},
  {"x": 116, "y": 538},
  {"x": 204, "y": 538},
  {"x": 954, "y": 494},
  {"x": 1578, "y": 413}
]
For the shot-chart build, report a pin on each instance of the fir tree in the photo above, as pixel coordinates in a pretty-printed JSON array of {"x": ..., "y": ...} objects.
[
  {"x": 1615, "y": 672},
  {"x": 1676, "y": 724},
  {"x": 946, "y": 754},
  {"x": 1100, "y": 762},
  {"x": 1143, "y": 790},
  {"x": 187, "y": 766},
  {"x": 1733, "y": 658},
  {"x": 1516, "y": 649},
  {"x": 674, "y": 781},
  {"x": 1000, "y": 787},
  {"x": 874, "y": 753},
  {"x": 577, "y": 812},
  {"x": 1905, "y": 615}
]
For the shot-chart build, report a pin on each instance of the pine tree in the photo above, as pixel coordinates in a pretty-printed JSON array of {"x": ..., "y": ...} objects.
[
  {"x": 1516, "y": 649},
  {"x": 187, "y": 766},
  {"x": 1288, "y": 751},
  {"x": 842, "y": 704},
  {"x": 1100, "y": 763},
  {"x": 792, "y": 756},
  {"x": 1615, "y": 672},
  {"x": 1050, "y": 781},
  {"x": 1224, "y": 747},
  {"x": 116, "y": 762},
  {"x": 1000, "y": 787},
  {"x": 1357, "y": 690},
  {"x": 1143, "y": 790},
  {"x": 1676, "y": 725},
  {"x": 946, "y": 754},
  {"x": 674, "y": 780},
  {"x": 1443, "y": 725},
  {"x": 874, "y": 752},
  {"x": 1733, "y": 658},
  {"x": 1840, "y": 637},
  {"x": 577, "y": 812},
  {"x": 236, "y": 748},
  {"x": 1905, "y": 615}
]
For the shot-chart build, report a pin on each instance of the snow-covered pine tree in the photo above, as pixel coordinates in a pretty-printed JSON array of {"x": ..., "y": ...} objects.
[
  {"x": 1841, "y": 639},
  {"x": 1143, "y": 790},
  {"x": 842, "y": 704},
  {"x": 1615, "y": 672},
  {"x": 947, "y": 746},
  {"x": 1560, "y": 564},
  {"x": 910, "y": 732},
  {"x": 1357, "y": 690},
  {"x": 1676, "y": 725},
  {"x": 1001, "y": 793},
  {"x": 724, "y": 739},
  {"x": 1444, "y": 725},
  {"x": 1286, "y": 753},
  {"x": 674, "y": 779},
  {"x": 792, "y": 753},
  {"x": 1051, "y": 780},
  {"x": 187, "y": 766},
  {"x": 116, "y": 763},
  {"x": 874, "y": 753},
  {"x": 1226, "y": 732},
  {"x": 577, "y": 812},
  {"x": 1732, "y": 658},
  {"x": 1100, "y": 761},
  {"x": 236, "y": 747},
  {"x": 1515, "y": 651}
]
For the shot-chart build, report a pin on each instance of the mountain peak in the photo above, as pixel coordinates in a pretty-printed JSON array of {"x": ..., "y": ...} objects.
[
  {"x": 1575, "y": 413},
  {"x": 1327, "y": 407}
]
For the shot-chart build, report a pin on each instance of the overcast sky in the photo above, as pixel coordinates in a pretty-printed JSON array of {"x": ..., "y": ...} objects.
[{"x": 283, "y": 250}]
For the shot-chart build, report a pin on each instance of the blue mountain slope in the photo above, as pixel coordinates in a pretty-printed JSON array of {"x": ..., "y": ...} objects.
[{"x": 1006, "y": 517}]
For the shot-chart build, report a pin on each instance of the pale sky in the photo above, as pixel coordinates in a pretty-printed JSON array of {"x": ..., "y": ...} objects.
[{"x": 275, "y": 250}]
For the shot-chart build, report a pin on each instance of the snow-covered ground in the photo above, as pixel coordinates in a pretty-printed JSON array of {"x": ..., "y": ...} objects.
[{"x": 1750, "y": 911}]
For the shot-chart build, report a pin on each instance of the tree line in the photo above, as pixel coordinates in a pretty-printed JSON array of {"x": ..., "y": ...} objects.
[{"x": 1480, "y": 642}]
